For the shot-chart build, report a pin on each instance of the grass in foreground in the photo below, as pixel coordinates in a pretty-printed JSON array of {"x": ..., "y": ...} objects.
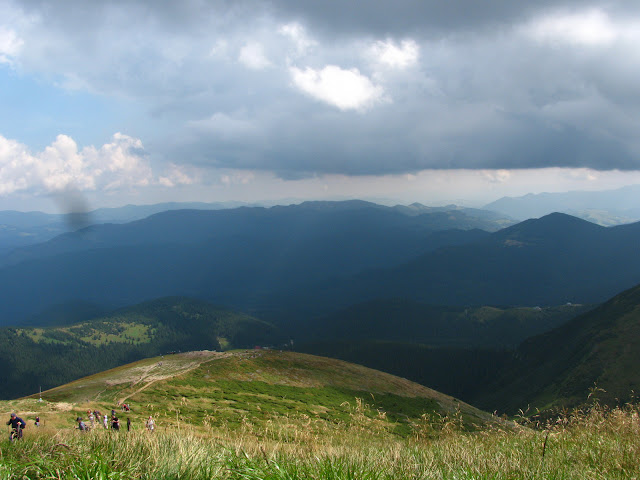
[{"x": 594, "y": 444}]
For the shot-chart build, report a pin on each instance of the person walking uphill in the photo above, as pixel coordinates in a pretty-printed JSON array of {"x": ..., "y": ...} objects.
[
  {"x": 17, "y": 424},
  {"x": 115, "y": 423},
  {"x": 151, "y": 425},
  {"x": 81, "y": 425}
]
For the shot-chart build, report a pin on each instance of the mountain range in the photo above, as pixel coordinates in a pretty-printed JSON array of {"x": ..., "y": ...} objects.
[
  {"x": 307, "y": 260},
  {"x": 500, "y": 317},
  {"x": 238, "y": 257},
  {"x": 18, "y": 229},
  {"x": 552, "y": 260},
  {"x": 593, "y": 355},
  {"x": 434, "y": 325},
  {"x": 605, "y": 207}
]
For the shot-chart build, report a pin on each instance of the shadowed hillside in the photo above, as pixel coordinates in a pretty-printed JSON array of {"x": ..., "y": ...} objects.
[
  {"x": 560, "y": 368},
  {"x": 400, "y": 320},
  {"x": 548, "y": 261}
]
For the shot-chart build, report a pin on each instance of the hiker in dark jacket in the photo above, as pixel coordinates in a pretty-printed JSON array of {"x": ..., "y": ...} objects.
[
  {"x": 81, "y": 425},
  {"x": 17, "y": 424}
]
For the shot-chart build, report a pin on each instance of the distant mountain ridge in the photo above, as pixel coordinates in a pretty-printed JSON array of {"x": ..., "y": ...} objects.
[
  {"x": 125, "y": 225},
  {"x": 18, "y": 229},
  {"x": 548, "y": 261},
  {"x": 228, "y": 256},
  {"x": 607, "y": 208},
  {"x": 294, "y": 262}
]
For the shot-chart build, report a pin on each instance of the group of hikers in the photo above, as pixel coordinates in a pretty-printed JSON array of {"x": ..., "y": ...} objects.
[{"x": 94, "y": 417}]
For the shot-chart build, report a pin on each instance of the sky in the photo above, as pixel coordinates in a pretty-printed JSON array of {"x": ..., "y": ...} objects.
[{"x": 401, "y": 101}]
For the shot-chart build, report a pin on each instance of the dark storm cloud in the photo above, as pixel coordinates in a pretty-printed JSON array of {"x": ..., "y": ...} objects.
[
  {"x": 383, "y": 144},
  {"x": 490, "y": 84},
  {"x": 414, "y": 17},
  {"x": 376, "y": 17}
]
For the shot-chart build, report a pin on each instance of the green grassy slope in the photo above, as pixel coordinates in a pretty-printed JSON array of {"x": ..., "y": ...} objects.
[{"x": 232, "y": 389}]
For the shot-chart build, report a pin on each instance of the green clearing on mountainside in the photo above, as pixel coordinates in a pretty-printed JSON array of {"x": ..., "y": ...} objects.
[{"x": 95, "y": 333}]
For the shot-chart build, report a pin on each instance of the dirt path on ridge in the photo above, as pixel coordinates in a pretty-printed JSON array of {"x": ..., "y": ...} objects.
[{"x": 166, "y": 368}]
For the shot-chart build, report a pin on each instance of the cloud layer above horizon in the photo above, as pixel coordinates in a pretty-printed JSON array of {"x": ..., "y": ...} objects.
[{"x": 304, "y": 89}]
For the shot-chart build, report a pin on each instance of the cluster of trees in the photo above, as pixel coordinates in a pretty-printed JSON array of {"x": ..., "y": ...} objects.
[{"x": 28, "y": 365}]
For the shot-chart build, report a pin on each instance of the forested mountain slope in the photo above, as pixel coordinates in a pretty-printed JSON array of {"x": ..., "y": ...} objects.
[
  {"x": 548, "y": 261},
  {"x": 33, "y": 357},
  {"x": 600, "y": 348}
]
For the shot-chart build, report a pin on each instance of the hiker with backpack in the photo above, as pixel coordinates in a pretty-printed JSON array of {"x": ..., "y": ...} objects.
[
  {"x": 81, "y": 425},
  {"x": 115, "y": 423},
  {"x": 17, "y": 425}
]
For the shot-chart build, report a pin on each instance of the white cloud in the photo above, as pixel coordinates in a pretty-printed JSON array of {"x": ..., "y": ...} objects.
[
  {"x": 176, "y": 175},
  {"x": 584, "y": 175},
  {"x": 61, "y": 166},
  {"x": 463, "y": 97},
  {"x": 10, "y": 45},
  {"x": 120, "y": 163},
  {"x": 252, "y": 56},
  {"x": 15, "y": 165},
  {"x": 589, "y": 28},
  {"x": 345, "y": 89},
  {"x": 403, "y": 56},
  {"x": 298, "y": 35}
]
